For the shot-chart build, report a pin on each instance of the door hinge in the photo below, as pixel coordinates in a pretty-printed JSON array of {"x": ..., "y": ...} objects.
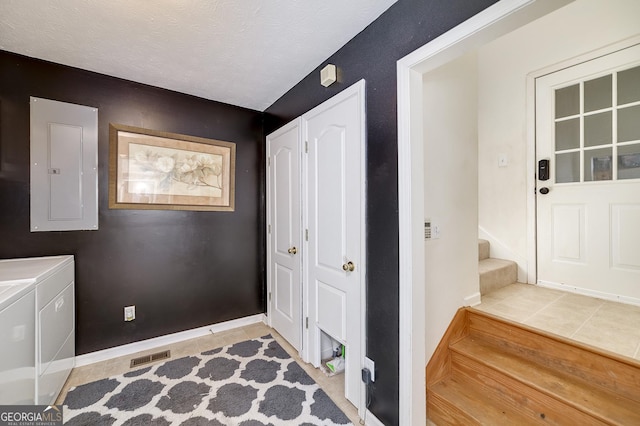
[
  {"x": 306, "y": 146},
  {"x": 306, "y": 235},
  {"x": 269, "y": 228},
  {"x": 269, "y": 296},
  {"x": 307, "y": 322},
  {"x": 268, "y": 161}
]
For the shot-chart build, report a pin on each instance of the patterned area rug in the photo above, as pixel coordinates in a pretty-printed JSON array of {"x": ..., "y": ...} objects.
[{"x": 251, "y": 383}]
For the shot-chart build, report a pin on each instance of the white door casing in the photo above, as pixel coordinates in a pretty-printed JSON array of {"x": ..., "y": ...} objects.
[
  {"x": 588, "y": 224},
  {"x": 334, "y": 132},
  {"x": 498, "y": 19},
  {"x": 284, "y": 229}
]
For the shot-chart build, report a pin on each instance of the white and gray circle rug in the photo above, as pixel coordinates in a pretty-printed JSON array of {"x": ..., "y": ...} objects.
[{"x": 251, "y": 383}]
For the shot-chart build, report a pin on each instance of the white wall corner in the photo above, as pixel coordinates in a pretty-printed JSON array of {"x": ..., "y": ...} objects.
[
  {"x": 472, "y": 300},
  {"x": 500, "y": 250}
]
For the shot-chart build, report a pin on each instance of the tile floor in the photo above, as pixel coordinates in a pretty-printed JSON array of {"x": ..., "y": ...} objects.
[
  {"x": 607, "y": 325},
  {"x": 333, "y": 386}
]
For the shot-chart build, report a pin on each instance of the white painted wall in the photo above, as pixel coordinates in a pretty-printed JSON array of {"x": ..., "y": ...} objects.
[
  {"x": 451, "y": 192},
  {"x": 503, "y": 66}
]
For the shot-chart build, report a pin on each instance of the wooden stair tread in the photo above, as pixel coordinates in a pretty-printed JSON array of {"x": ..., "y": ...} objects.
[
  {"x": 595, "y": 401},
  {"x": 473, "y": 399},
  {"x": 593, "y": 366}
]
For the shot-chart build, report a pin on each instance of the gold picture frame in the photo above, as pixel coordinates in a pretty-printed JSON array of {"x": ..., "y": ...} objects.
[{"x": 168, "y": 171}]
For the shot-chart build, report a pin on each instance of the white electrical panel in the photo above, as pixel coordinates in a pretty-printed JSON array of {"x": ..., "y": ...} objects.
[{"x": 64, "y": 166}]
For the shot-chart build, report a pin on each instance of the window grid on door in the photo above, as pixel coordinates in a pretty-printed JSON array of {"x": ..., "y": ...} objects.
[{"x": 597, "y": 120}]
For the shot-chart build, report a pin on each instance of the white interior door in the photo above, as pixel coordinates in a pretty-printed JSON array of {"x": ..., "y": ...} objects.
[
  {"x": 284, "y": 254},
  {"x": 588, "y": 211},
  {"x": 334, "y": 261}
]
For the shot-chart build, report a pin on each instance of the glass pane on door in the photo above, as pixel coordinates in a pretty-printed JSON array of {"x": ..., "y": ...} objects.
[
  {"x": 597, "y": 93},
  {"x": 629, "y": 161},
  {"x": 568, "y": 167},
  {"x": 629, "y": 86},
  {"x": 568, "y": 134},
  {"x": 597, "y": 129},
  {"x": 629, "y": 123},
  {"x": 597, "y": 164},
  {"x": 568, "y": 101}
]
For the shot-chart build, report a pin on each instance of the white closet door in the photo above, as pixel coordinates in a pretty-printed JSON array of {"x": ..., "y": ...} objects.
[
  {"x": 334, "y": 261},
  {"x": 284, "y": 253}
]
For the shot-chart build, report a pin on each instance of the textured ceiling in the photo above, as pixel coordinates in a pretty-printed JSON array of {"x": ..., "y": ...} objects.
[{"x": 242, "y": 52}]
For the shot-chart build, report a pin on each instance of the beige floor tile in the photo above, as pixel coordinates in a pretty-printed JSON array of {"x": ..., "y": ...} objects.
[
  {"x": 557, "y": 320},
  {"x": 608, "y": 339},
  {"x": 515, "y": 308},
  {"x": 628, "y": 313},
  {"x": 573, "y": 302}
]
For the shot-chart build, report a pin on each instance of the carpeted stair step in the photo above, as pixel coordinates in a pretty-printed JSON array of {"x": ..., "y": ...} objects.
[
  {"x": 496, "y": 273},
  {"x": 483, "y": 249}
]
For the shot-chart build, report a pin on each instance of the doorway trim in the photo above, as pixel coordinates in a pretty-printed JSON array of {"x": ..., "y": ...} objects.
[{"x": 499, "y": 19}]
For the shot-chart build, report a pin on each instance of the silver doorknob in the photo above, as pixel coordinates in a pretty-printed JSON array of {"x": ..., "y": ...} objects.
[
  {"x": 292, "y": 250},
  {"x": 348, "y": 267}
]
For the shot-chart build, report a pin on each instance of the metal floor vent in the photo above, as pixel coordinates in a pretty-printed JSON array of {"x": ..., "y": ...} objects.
[{"x": 150, "y": 358}]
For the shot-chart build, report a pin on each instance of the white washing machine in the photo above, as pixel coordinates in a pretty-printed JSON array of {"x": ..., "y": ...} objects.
[{"x": 37, "y": 328}]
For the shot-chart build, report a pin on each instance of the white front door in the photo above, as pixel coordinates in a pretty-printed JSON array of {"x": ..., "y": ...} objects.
[
  {"x": 334, "y": 262},
  {"x": 284, "y": 251},
  {"x": 588, "y": 210}
]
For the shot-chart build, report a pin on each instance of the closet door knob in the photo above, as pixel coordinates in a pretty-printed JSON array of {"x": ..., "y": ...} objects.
[
  {"x": 348, "y": 267},
  {"x": 292, "y": 250}
]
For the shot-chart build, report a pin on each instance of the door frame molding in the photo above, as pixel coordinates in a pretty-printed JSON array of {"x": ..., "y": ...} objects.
[{"x": 499, "y": 19}]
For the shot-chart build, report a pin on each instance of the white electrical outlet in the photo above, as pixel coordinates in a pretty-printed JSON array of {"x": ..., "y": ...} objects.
[
  {"x": 129, "y": 313},
  {"x": 371, "y": 366}
]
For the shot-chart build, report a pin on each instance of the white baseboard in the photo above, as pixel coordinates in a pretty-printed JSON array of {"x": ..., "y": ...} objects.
[
  {"x": 592, "y": 293},
  {"x": 371, "y": 420},
  {"x": 167, "y": 339},
  {"x": 472, "y": 300}
]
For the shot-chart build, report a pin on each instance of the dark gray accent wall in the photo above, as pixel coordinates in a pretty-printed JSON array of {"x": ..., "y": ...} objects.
[
  {"x": 182, "y": 269},
  {"x": 372, "y": 55}
]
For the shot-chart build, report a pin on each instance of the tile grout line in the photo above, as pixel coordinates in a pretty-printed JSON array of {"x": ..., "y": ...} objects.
[
  {"x": 587, "y": 320},
  {"x": 543, "y": 308}
]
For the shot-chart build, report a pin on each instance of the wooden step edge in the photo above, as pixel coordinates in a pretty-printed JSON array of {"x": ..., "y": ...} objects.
[
  {"x": 439, "y": 365},
  {"x": 556, "y": 338},
  {"x": 454, "y": 402},
  {"x": 608, "y": 369},
  {"x": 594, "y": 402},
  {"x": 558, "y": 402}
]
